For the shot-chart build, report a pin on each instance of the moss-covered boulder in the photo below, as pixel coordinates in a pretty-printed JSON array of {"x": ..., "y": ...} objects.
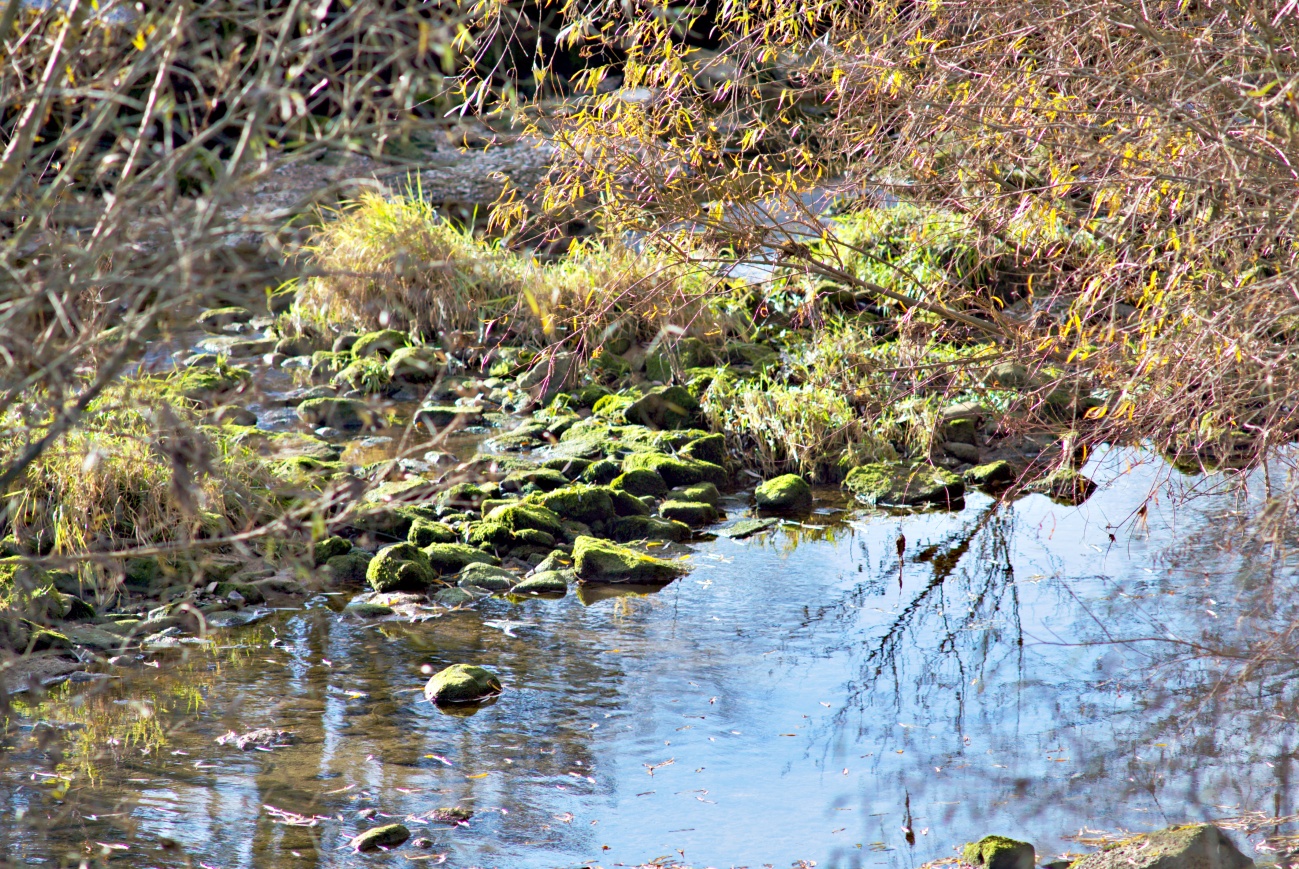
[
  {"x": 425, "y": 531},
  {"x": 704, "y": 493},
  {"x": 607, "y": 366},
  {"x": 467, "y": 496},
  {"x": 612, "y": 408},
  {"x": 324, "y": 364},
  {"x": 601, "y": 472},
  {"x": 571, "y": 467},
  {"x": 208, "y": 384},
  {"x": 696, "y": 514},
  {"x": 388, "y": 836},
  {"x": 486, "y": 576},
  {"x": 898, "y": 484},
  {"x": 993, "y": 475},
  {"x": 447, "y": 558},
  {"x": 337, "y": 413},
  {"x": 462, "y": 683},
  {"x": 549, "y": 582},
  {"x": 664, "y": 407},
  {"x": 534, "y": 479},
  {"x": 384, "y": 343},
  {"x": 331, "y": 547},
  {"x": 520, "y": 516},
  {"x": 400, "y": 567},
  {"x": 349, "y": 568},
  {"x": 579, "y": 503},
  {"x": 709, "y": 448},
  {"x": 998, "y": 852},
  {"x": 627, "y": 504},
  {"x": 597, "y": 560},
  {"x": 641, "y": 482},
  {"x": 415, "y": 365},
  {"x": 1195, "y": 846},
  {"x": 788, "y": 493},
  {"x": 1064, "y": 485},
  {"x": 632, "y": 528},
  {"x": 676, "y": 471}
]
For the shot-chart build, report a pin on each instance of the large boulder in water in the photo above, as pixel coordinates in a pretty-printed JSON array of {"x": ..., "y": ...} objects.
[
  {"x": 998, "y": 852},
  {"x": 788, "y": 493},
  {"x": 898, "y": 484},
  {"x": 462, "y": 683},
  {"x": 599, "y": 561},
  {"x": 402, "y": 566},
  {"x": 1197, "y": 846}
]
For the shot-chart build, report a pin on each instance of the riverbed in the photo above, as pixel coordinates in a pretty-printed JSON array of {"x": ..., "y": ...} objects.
[{"x": 802, "y": 696}]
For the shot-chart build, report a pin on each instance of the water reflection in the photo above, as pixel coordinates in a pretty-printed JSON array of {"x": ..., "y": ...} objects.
[{"x": 806, "y": 694}]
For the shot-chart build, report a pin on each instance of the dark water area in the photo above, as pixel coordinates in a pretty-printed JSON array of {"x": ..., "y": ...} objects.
[{"x": 800, "y": 696}]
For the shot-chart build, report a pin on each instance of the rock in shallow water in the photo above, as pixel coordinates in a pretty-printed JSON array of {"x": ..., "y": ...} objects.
[
  {"x": 389, "y": 836},
  {"x": 998, "y": 852},
  {"x": 1197, "y": 846},
  {"x": 897, "y": 484},
  {"x": 599, "y": 561},
  {"x": 462, "y": 683},
  {"x": 787, "y": 493}
]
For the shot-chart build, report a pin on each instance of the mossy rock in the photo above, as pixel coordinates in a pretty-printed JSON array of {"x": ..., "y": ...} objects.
[
  {"x": 143, "y": 573},
  {"x": 424, "y": 531},
  {"x": 207, "y": 384},
  {"x": 998, "y": 852},
  {"x": 588, "y": 395},
  {"x": 325, "y": 364},
  {"x": 597, "y": 560},
  {"x": 490, "y": 535},
  {"x": 486, "y": 576},
  {"x": 388, "y": 836},
  {"x": 467, "y": 496},
  {"x": 627, "y": 504},
  {"x": 1064, "y": 485},
  {"x": 709, "y": 448},
  {"x": 337, "y": 413},
  {"x": 416, "y": 365},
  {"x": 760, "y": 356},
  {"x": 549, "y": 582},
  {"x": 993, "y": 475},
  {"x": 696, "y": 514},
  {"x": 349, "y": 568},
  {"x": 215, "y": 320},
  {"x": 571, "y": 468},
  {"x": 520, "y": 516},
  {"x": 612, "y": 408},
  {"x": 74, "y": 609},
  {"x": 462, "y": 683},
  {"x": 688, "y": 353},
  {"x": 544, "y": 479},
  {"x": 664, "y": 407},
  {"x": 608, "y": 367},
  {"x": 898, "y": 484},
  {"x": 959, "y": 431},
  {"x": 601, "y": 472},
  {"x": 632, "y": 528},
  {"x": 445, "y": 558},
  {"x": 331, "y": 547},
  {"x": 704, "y": 493},
  {"x": 249, "y": 592},
  {"x": 788, "y": 493},
  {"x": 676, "y": 471},
  {"x": 640, "y": 482},
  {"x": 530, "y": 435},
  {"x": 382, "y": 343},
  {"x": 400, "y": 567},
  {"x": 579, "y": 503},
  {"x": 367, "y": 376},
  {"x": 1195, "y": 846}
]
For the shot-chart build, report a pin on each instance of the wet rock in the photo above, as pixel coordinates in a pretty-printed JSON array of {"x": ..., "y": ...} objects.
[
  {"x": 534, "y": 479},
  {"x": 640, "y": 482},
  {"x": 1197, "y": 846},
  {"x": 383, "y": 343},
  {"x": 462, "y": 683},
  {"x": 456, "y": 597},
  {"x": 349, "y": 568},
  {"x": 416, "y": 365},
  {"x": 596, "y": 560},
  {"x": 993, "y": 475},
  {"x": 578, "y": 503},
  {"x": 710, "y": 448},
  {"x": 400, "y": 566},
  {"x": 215, "y": 320},
  {"x": 998, "y": 852},
  {"x": 94, "y": 637},
  {"x": 337, "y": 412},
  {"x": 521, "y": 516},
  {"x": 546, "y": 582},
  {"x": 425, "y": 531},
  {"x": 676, "y": 471},
  {"x": 298, "y": 345},
  {"x": 487, "y": 577},
  {"x": 388, "y": 836},
  {"x": 450, "y": 415},
  {"x": 331, "y": 547},
  {"x": 364, "y": 609},
  {"x": 265, "y": 738},
  {"x": 232, "y": 345},
  {"x": 789, "y": 493},
  {"x": 446, "y": 558},
  {"x": 664, "y": 407},
  {"x": 898, "y": 484},
  {"x": 704, "y": 493},
  {"x": 696, "y": 514},
  {"x": 1064, "y": 485},
  {"x": 631, "y": 528},
  {"x": 452, "y": 815}
]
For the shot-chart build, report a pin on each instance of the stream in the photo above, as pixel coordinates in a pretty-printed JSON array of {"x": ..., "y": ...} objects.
[{"x": 803, "y": 697}]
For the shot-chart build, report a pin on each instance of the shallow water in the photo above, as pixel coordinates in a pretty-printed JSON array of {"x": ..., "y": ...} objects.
[{"x": 800, "y": 696}]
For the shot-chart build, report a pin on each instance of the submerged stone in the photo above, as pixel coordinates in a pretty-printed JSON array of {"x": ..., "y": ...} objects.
[
  {"x": 787, "y": 493},
  {"x": 998, "y": 852},
  {"x": 389, "y": 836},
  {"x": 400, "y": 566},
  {"x": 897, "y": 484},
  {"x": 462, "y": 683},
  {"x": 1197, "y": 846},
  {"x": 545, "y": 582},
  {"x": 599, "y": 561}
]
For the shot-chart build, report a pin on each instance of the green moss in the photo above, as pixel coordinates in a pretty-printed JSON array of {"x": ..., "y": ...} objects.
[
  {"x": 467, "y": 496},
  {"x": 325, "y": 364},
  {"x": 601, "y": 472},
  {"x": 207, "y": 383},
  {"x": 596, "y": 560},
  {"x": 384, "y": 343},
  {"x": 368, "y": 376},
  {"x": 551, "y": 582},
  {"x": 416, "y": 365},
  {"x": 486, "y": 576},
  {"x": 611, "y": 408},
  {"x": 787, "y": 493},
  {"x": 897, "y": 484},
  {"x": 462, "y": 683},
  {"x": 387, "y": 836},
  {"x": 350, "y": 568},
  {"x": 676, "y": 471},
  {"x": 545, "y": 479},
  {"x": 993, "y": 475},
  {"x": 424, "y": 531},
  {"x": 998, "y": 852},
  {"x": 627, "y": 504},
  {"x": 400, "y": 567},
  {"x": 640, "y": 482},
  {"x": 630, "y": 528},
  {"x": 709, "y": 448},
  {"x": 705, "y": 493},
  {"x": 331, "y": 547},
  {"x": 440, "y": 416},
  {"x": 580, "y": 503},
  {"x": 693, "y": 513},
  {"x": 664, "y": 407},
  {"x": 447, "y": 558},
  {"x": 571, "y": 468},
  {"x": 518, "y": 517}
]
